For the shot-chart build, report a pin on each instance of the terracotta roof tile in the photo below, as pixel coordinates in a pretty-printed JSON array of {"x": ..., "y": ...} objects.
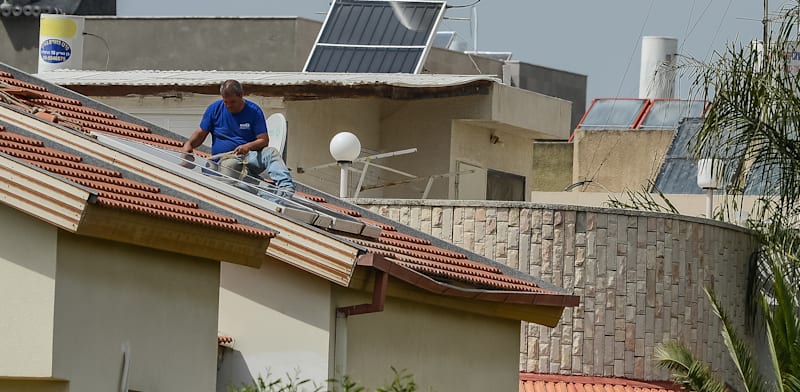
[
  {"x": 535, "y": 382},
  {"x": 343, "y": 210},
  {"x": 224, "y": 340},
  {"x": 113, "y": 190},
  {"x": 309, "y": 196},
  {"x": 382, "y": 225},
  {"x": 420, "y": 255},
  {"x": 81, "y": 118}
]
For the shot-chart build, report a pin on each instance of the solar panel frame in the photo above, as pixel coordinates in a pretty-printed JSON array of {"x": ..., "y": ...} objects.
[
  {"x": 623, "y": 113},
  {"x": 338, "y": 40}
]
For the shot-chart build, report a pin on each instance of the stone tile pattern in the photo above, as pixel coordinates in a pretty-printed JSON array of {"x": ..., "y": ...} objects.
[{"x": 641, "y": 277}]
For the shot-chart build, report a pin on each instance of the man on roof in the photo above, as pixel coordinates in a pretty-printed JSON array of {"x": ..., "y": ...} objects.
[{"x": 238, "y": 126}]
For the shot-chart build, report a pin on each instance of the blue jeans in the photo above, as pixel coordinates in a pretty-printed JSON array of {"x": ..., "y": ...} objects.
[{"x": 269, "y": 160}]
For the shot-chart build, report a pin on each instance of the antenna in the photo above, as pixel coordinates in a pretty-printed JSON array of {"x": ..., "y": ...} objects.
[{"x": 475, "y": 28}]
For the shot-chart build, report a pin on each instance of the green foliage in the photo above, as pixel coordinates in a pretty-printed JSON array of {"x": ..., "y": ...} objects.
[
  {"x": 346, "y": 384},
  {"x": 687, "y": 370},
  {"x": 644, "y": 200},
  {"x": 401, "y": 382},
  {"x": 753, "y": 125},
  {"x": 291, "y": 383}
]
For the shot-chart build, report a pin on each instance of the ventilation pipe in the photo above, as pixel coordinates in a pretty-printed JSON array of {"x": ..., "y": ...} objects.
[
  {"x": 657, "y": 73},
  {"x": 60, "y": 42}
]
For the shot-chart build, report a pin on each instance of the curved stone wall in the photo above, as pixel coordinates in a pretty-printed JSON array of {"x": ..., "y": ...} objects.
[{"x": 641, "y": 276}]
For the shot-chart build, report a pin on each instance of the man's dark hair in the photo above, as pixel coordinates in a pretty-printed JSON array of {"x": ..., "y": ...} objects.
[{"x": 231, "y": 86}]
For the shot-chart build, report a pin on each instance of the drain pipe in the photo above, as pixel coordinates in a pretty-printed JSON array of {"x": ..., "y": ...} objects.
[
  {"x": 378, "y": 298},
  {"x": 342, "y": 313}
]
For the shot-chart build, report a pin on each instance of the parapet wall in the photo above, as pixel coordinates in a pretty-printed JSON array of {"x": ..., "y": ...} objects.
[{"x": 641, "y": 277}]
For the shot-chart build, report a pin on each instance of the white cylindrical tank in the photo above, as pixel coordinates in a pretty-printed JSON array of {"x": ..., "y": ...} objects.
[
  {"x": 60, "y": 42},
  {"x": 657, "y": 74},
  {"x": 709, "y": 173}
]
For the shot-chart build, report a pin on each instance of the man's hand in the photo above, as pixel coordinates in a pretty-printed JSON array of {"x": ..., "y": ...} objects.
[
  {"x": 243, "y": 149},
  {"x": 188, "y": 158}
]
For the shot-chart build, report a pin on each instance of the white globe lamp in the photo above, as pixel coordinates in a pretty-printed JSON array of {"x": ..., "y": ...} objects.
[
  {"x": 345, "y": 148},
  {"x": 708, "y": 178}
]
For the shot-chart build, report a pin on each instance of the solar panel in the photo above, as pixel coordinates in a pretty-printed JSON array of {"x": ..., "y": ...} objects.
[
  {"x": 611, "y": 113},
  {"x": 667, "y": 113},
  {"x": 369, "y": 36},
  {"x": 242, "y": 186}
]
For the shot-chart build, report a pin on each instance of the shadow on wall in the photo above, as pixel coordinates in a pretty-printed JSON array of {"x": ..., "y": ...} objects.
[
  {"x": 232, "y": 370},
  {"x": 23, "y": 32}
]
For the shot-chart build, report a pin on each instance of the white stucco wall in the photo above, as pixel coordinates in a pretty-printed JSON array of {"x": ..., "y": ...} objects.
[
  {"x": 162, "y": 305},
  {"x": 445, "y": 350},
  {"x": 27, "y": 294},
  {"x": 280, "y": 319}
]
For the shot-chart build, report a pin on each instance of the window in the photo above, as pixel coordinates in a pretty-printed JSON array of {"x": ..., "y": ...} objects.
[{"x": 504, "y": 186}]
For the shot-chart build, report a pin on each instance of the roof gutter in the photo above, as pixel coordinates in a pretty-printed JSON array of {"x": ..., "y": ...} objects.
[{"x": 378, "y": 295}]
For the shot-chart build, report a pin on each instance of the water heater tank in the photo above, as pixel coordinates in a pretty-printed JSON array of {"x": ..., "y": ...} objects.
[
  {"x": 657, "y": 74},
  {"x": 60, "y": 42}
]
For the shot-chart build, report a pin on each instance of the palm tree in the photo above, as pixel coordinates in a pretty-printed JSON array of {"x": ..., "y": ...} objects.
[
  {"x": 753, "y": 125},
  {"x": 782, "y": 329}
]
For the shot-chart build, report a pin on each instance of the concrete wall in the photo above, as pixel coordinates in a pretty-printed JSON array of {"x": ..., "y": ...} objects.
[
  {"x": 472, "y": 144},
  {"x": 734, "y": 209},
  {"x": 27, "y": 295},
  {"x": 552, "y": 166},
  {"x": 427, "y": 125},
  {"x": 162, "y": 305},
  {"x": 553, "y": 82},
  {"x": 444, "y": 61},
  {"x": 444, "y": 350},
  {"x": 640, "y": 276},
  {"x": 546, "y": 116},
  {"x": 175, "y": 43},
  {"x": 605, "y": 157},
  {"x": 280, "y": 319},
  {"x": 312, "y": 124}
]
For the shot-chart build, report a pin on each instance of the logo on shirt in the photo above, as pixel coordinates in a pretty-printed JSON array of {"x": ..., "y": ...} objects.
[{"x": 244, "y": 126}]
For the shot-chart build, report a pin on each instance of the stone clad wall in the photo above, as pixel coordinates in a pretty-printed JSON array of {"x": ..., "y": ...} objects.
[{"x": 641, "y": 277}]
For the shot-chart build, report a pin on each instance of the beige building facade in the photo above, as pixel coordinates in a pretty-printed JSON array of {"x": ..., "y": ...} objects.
[
  {"x": 473, "y": 126},
  {"x": 88, "y": 312}
]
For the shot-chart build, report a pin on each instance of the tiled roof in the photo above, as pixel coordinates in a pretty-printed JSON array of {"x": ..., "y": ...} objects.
[
  {"x": 411, "y": 256},
  {"x": 71, "y": 113},
  {"x": 113, "y": 190},
  {"x": 419, "y": 255},
  {"x": 533, "y": 382},
  {"x": 224, "y": 340}
]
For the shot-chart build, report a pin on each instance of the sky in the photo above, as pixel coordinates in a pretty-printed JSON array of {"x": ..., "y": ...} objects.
[{"x": 597, "y": 38}]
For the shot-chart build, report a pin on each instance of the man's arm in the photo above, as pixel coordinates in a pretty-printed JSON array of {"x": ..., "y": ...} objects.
[
  {"x": 262, "y": 140},
  {"x": 197, "y": 138}
]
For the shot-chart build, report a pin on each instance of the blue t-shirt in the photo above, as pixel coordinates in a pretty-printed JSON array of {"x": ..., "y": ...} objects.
[{"x": 229, "y": 130}]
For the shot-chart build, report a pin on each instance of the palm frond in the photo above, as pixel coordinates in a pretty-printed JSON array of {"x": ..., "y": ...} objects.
[
  {"x": 738, "y": 349},
  {"x": 686, "y": 369}
]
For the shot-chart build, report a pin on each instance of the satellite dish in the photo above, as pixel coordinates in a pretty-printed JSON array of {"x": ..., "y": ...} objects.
[{"x": 276, "y": 128}]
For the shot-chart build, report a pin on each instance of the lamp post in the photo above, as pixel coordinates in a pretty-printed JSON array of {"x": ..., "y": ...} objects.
[
  {"x": 344, "y": 148},
  {"x": 708, "y": 179}
]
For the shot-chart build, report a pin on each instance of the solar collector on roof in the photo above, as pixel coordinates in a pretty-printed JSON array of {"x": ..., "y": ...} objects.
[{"x": 364, "y": 36}]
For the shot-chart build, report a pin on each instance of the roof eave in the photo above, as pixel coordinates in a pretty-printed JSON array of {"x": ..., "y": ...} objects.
[
  {"x": 305, "y": 91},
  {"x": 37, "y": 193},
  {"x": 545, "y": 309},
  {"x": 120, "y": 225}
]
